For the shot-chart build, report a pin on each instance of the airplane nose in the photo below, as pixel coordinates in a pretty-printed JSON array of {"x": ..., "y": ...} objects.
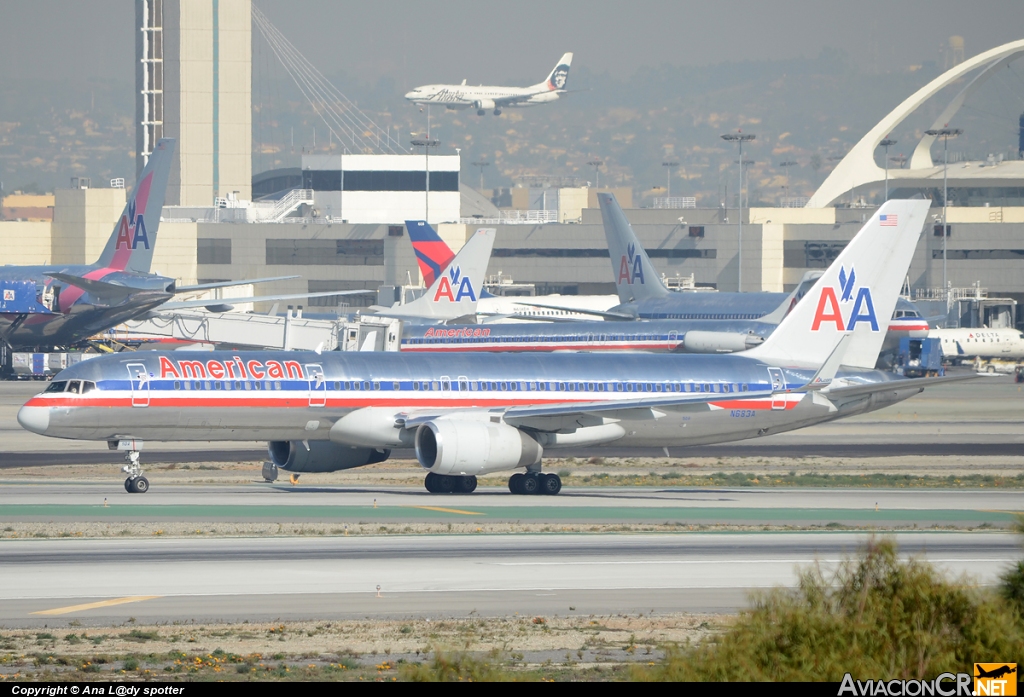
[
  {"x": 410, "y": 95},
  {"x": 35, "y": 419}
]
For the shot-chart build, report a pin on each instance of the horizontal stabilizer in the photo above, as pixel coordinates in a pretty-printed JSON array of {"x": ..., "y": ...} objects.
[{"x": 108, "y": 292}]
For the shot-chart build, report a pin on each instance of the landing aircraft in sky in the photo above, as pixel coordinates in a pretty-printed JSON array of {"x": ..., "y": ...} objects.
[
  {"x": 480, "y": 413},
  {"x": 486, "y": 98}
]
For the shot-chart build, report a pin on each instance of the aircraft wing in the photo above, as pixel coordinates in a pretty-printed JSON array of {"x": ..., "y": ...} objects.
[
  {"x": 605, "y": 314},
  {"x": 228, "y": 303},
  {"x": 229, "y": 284},
  {"x": 552, "y": 417}
]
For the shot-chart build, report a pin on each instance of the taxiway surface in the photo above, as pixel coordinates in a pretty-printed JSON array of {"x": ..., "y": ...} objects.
[{"x": 261, "y": 579}]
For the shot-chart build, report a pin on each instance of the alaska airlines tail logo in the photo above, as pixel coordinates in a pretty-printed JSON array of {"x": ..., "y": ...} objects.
[
  {"x": 830, "y": 309},
  {"x": 454, "y": 286},
  {"x": 132, "y": 230},
  {"x": 559, "y": 77},
  {"x": 631, "y": 270}
]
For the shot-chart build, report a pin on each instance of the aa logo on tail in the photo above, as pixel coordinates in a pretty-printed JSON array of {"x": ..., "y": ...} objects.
[
  {"x": 454, "y": 287},
  {"x": 830, "y": 308},
  {"x": 631, "y": 270},
  {"x": 132, "y": 230}
]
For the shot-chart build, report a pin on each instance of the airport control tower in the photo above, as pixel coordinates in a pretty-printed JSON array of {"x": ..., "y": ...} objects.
[{"x": 193, "y": 82}]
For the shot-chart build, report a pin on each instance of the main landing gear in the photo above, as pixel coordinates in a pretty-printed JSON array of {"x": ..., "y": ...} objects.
[
  {"x": 535, "y": 483},
  {"x": 136, "y": 483},
  {"x": 449, "y": 484}
]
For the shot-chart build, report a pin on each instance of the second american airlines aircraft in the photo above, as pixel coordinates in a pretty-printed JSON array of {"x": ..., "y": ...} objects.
[
  {"x": 486, "y": 98},
  {"x": 483, "y": 413}
]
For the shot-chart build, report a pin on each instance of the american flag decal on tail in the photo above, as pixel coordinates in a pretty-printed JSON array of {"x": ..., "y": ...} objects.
[{"x": 889, "y": 220}]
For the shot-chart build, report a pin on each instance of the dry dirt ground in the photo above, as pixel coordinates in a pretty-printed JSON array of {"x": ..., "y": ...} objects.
[{"x": 551, "y": 647}]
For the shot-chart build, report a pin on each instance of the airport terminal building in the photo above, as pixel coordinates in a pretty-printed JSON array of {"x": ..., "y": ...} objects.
[{"x": 337, "y": 221}]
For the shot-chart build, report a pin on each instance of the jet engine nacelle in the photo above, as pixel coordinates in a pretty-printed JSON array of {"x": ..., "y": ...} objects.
[
  {"x": 447, "y": 446},
  {"x": 718, "y": 342},
  {"x": 484, "y": 104},
  {"x": 543, "y": 97},
  {"x": 322, "y": 456}
]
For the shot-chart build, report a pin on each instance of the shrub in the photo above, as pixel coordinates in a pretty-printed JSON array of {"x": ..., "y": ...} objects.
[{"x": 875, "y": 617}]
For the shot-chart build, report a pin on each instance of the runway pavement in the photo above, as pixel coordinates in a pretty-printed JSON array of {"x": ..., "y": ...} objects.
[
  {"x": 106, "y": 581},
  {"x": 63, "y": 502}
]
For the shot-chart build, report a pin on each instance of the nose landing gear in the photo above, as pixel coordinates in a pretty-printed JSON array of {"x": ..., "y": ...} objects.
[{"x": 135, "y": 483}]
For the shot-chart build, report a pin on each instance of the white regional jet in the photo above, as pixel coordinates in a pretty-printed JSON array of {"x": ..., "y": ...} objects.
[
  {"x": 1005, "y": 343},
  {"x": 484, "y": 98}
]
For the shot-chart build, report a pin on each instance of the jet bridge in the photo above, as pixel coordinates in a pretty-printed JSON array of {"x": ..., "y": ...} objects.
[{"x": 289, "y": 332}]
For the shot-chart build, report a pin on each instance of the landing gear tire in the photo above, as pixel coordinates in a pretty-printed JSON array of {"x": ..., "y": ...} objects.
[
  {"x": 550, "y": 484},
  {"x": 480, "y": 112},
  {"x": 465, "y": 485},
  {"x": 430, "y": 482},
  {"x": 136, "y": 485},
  {"x": 497, "y": 112},
  {"x": 515, "y": 483},
  {"x": 445, "y": 484},
  {"x": 530, "y": 484}
]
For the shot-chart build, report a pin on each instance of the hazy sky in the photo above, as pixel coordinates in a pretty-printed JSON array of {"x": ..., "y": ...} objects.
[{"x": 417, "y": 42}]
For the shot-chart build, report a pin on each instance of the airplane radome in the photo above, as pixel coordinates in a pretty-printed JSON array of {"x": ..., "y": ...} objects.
[{"x": 480, "y": 413}]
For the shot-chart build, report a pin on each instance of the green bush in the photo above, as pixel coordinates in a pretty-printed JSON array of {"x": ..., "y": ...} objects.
[
  {"x": 454, "y": 667},
  {"x": 875, "y": 617}
]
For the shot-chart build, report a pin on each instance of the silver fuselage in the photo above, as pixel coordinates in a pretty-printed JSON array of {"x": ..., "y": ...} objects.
[{"x": 298, "y": 396}]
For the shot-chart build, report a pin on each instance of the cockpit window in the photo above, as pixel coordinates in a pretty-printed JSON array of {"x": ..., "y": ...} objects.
[
  {"x": 88, "y": 386},
  {"x": 57, "y": 386},
  {"x": 75, "y": 386}
]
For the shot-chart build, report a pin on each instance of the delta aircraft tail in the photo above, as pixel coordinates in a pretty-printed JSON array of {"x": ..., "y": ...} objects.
[
  {"x": 130, "y": 247},
  {"x": 432, "y": 253},
  {"x": 855, "y": 296},
  {"x": 635, "y": 277},
  {"x": 454, "y": 292}
]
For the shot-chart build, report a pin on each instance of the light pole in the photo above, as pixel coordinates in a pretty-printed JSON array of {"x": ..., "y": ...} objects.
[
  {"x": 481, "y": 165},
  {"x": 740, "y": 137},
  {"x": 785, "y": 168},
  {"x": 669, "y": 166},
  {"x": 596, "y": 164},
  {"x": 885, "y": 144},
  {"x": 945, "y": 134},
  {"x": 426, "y": 144}
]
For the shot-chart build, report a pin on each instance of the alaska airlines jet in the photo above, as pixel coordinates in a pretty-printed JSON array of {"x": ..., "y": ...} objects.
[
  {"x": 485, "y": 98},
  {"x": 482, "y": 413}
]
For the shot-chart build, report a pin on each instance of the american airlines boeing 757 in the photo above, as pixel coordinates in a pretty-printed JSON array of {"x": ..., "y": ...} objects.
[{"x": 480, "y": 413}]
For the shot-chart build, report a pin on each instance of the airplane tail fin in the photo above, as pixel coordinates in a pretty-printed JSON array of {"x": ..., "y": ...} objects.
[
  {"x": 130, "y": 247},
  {"x": 635, "y": 277},
  {"x": 432, "y": 253},
  {"x": 802, "y": 288},
  {"x": 559, "y": 76},
  {"x": 856, "y": 295},
  {"x": 454, "y": 293}
]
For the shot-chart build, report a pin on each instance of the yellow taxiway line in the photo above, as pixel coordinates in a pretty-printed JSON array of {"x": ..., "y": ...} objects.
[
  {"x": 93, "y": 606},
  {"x": 447, "y": 510}
]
